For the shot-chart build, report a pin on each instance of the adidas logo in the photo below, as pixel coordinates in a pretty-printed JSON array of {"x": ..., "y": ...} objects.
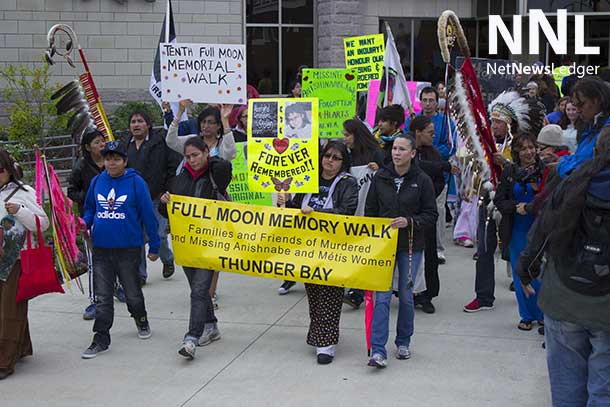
[{"x": 110, "y": 203}]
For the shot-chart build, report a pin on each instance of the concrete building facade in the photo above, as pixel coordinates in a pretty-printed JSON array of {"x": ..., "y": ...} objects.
[{"x": 119, "y": 37}]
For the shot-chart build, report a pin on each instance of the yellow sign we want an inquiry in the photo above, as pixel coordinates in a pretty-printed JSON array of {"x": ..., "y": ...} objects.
[{"x": 280, "y": 243}]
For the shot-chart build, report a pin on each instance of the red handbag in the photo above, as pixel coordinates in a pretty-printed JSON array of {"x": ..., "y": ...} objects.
[{"x": 37, "y": 270}]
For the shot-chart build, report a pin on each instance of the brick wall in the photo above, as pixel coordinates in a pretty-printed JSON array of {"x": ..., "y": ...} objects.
[{"x": 118, "y": 39}]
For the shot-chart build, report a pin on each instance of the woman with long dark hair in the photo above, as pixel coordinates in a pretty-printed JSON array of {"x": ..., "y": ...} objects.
[
  {"x": 519, "y": 184},
  {"x": 17, "y": 215},
  {"x": 575, "y": 303},
  {"x": 362, "y": 147},
  {"x": 591, "y": 97},
  {"x": 202, "y": 177},
  {"x": 365, "y": 157},
  {"x": 86, "y": 168},
  {"x": 338, "y": 193}
]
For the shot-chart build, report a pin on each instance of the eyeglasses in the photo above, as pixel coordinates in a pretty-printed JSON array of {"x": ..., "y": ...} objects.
[
  {"x": 333, "y": 157},
  {"x": 210, "y": 122}
]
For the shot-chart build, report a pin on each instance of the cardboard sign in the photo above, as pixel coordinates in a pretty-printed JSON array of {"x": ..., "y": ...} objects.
[
  {"x": 336, "y": 93},
  {"x": 238, "y": 188},
  {"x": 283, "y": 145},
  {"x": 210, "y": 73},
  {"x": 365, "y": 54},
  {"x": 280, "y": 243}
]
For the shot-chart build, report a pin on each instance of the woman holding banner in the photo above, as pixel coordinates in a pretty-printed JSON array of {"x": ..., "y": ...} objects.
[
  {"x": 211, "y": 125},
  {"x": 365, "y": 157},
  {"x": 338, "y": 193},
  {"x": 202, "y": 177},
  {"x": 403, "y": 192}
]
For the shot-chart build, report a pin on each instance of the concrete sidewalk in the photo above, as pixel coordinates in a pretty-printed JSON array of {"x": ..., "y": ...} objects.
[{"x": 459, "y": 359}]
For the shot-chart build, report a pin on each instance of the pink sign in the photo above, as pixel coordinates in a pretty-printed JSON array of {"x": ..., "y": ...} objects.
[{"x": 371, "y": 102}]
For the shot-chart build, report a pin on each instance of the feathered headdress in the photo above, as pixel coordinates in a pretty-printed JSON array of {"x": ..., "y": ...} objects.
[{"x": 510, "y": 108}]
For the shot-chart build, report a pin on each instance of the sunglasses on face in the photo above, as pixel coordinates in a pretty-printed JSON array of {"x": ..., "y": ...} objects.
[{"x": 333, "y": 157}]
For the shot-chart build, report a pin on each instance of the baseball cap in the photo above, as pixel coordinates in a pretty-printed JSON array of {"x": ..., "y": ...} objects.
[{"x": 115, "y": 147}]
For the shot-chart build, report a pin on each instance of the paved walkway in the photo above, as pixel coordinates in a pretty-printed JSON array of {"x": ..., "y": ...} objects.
[{"x": 458, "y": 359}]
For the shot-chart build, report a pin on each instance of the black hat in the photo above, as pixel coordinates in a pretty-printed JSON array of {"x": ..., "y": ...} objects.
[{"x": 115, "y": 147}]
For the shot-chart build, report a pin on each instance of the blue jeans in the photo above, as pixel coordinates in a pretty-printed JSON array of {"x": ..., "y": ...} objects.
[
  {"x": 579, "y": 364},
  {"x": 165, "y": 253},
  {"x": 406, "y": 311},
  {"x": 202, "y": 309},
  {"x": 108, "y": 264}
]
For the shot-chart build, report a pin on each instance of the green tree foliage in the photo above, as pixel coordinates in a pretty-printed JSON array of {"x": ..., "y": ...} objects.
[{"x": 32, "y": 114}]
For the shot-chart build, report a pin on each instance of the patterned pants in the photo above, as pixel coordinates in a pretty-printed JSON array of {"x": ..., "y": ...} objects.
[{"x": 324, "y": 313}]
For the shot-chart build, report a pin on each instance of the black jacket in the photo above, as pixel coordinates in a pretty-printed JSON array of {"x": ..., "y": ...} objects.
[
  {"x": 415, "y": 200},
  {"x": 432, "y": 164},
  {"x": 185, "y": 184},
  {"x": 505, "y": 202},
  {"x": 345, "y": 197},
  {"x": 159, "y": 165},
  {"x": 83, "y": 172}
]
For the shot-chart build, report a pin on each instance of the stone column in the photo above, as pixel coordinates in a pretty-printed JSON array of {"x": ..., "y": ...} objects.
[{"x": 337, "y": 19}]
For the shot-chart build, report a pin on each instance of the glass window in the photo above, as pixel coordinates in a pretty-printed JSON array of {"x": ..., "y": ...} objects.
[
  {"x": 297, "y": 50},
  {"x": 262, "y": 52},
  {"x": 482, "y": 8},
  {"x": 297, "y": 11},
  {"x": 262, "y": 11},
  {"x": 495, "y": 7},
  {"x": 510, "y": 7},
  {"x": 270, "y": 69}
]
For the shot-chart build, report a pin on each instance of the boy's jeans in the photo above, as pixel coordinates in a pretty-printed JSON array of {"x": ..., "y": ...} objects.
[{"x": 108, "y": 264}]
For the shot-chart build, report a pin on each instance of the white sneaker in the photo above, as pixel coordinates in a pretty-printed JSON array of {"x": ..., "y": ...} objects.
[
  {"x": 467, "y": 243},
  {"x": 441, "y": 257},
  {"x": 211, "y": 333},
  {"x": 188, "y": 349}
]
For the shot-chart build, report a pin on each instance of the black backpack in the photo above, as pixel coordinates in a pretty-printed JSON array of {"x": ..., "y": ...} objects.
[{"x": 589, "y": 273}]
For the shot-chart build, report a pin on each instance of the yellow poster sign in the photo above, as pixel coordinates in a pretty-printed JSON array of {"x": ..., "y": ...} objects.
[
  {"x": 283, "y": 145},
  {"x": 280, "y": 243},
  {"x": 365, "y": 54}
]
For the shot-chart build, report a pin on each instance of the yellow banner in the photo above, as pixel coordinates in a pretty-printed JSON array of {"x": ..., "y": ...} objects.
[
  {"x": 344, "y": 251},
  {"x": 283, "y": 145},
  {"x": 365, "y": 54}
]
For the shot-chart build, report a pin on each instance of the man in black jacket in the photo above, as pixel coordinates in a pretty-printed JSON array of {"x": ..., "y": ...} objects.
[{"x": 148, "y": 154}]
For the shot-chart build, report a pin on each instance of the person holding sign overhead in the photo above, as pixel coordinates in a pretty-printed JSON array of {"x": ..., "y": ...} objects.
[
  {"x": 403, "y": 192},
  {"x": 211, "y": 125},
  {"x": 203, "y": 177},
  {"x": 338, "y": 194}
]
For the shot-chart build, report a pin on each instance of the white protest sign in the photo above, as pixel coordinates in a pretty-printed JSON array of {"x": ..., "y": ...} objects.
[
  {"x": 211, "y": 73},
  {"x": 364, "y": 177}
]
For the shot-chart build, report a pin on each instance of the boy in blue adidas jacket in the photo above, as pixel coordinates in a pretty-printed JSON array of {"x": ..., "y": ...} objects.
[{"x": 118, "y": 203}]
